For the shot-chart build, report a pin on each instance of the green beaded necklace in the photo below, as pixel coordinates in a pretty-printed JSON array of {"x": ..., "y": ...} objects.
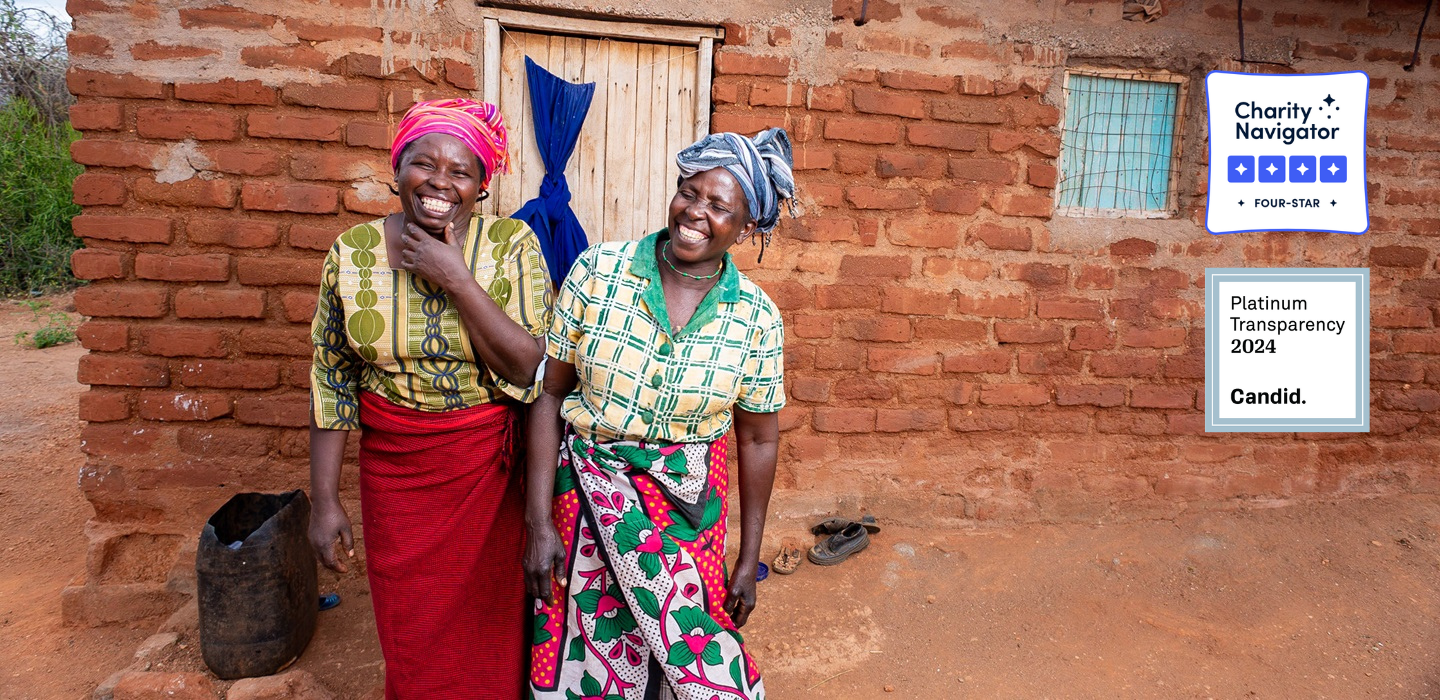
[{"x": 664, "y": 254}]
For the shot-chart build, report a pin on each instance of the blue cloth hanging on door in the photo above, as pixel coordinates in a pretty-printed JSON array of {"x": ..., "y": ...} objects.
[{"x": 559, "y": 109}]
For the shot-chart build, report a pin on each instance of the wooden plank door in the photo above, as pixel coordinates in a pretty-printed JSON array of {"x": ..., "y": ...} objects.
[{"x": 623, "y": 172}]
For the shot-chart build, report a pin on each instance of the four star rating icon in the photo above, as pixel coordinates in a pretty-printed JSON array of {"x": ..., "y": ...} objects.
[{"x": 1277, "y": 169}]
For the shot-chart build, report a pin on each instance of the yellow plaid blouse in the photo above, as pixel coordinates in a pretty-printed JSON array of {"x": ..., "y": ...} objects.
[
  {"x": 640, "y": 382},
  {"x": 393, "y": 333}
]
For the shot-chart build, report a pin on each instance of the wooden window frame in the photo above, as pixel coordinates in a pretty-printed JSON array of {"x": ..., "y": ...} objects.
[{"x": 1172, "y": 207}]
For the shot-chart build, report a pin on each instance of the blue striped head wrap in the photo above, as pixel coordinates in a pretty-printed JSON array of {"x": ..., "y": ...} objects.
[{"x": 762, "y": 165}]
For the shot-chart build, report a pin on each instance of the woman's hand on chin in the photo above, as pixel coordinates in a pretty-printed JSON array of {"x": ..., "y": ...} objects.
[{"x": 437, "y": 260}]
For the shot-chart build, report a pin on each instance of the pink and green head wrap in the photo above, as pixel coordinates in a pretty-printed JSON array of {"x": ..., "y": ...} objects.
[{"x": 477, "y": 124}]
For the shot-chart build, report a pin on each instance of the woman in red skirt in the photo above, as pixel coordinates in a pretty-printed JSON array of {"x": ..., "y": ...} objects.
[{"x": 425, "y": 337}]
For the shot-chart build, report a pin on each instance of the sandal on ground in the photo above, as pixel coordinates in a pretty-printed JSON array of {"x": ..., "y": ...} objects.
[
  {"x": 789, "y": 558},
  {"x": 834, "y": 525},
  {"x": 839, "y": 546}
]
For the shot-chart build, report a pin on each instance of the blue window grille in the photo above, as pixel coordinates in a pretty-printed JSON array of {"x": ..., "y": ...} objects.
[{"x": 1118, "y": 147}]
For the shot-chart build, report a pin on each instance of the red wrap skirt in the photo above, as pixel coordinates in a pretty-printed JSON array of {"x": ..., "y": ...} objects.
[{"x": 440, "y": 498}]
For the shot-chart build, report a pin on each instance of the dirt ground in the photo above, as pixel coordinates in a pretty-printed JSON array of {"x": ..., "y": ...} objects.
[{"x": 1315, "y": 601}]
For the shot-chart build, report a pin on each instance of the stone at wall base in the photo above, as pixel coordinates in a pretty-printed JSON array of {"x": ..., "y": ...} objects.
[
  {"x": 147, "y": 685},
  {"x": 293, "y": 685},
  {"x": 94, "y": 606}
]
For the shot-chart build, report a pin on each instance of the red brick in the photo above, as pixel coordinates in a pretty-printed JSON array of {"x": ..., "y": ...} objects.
[
  {"x": 1022, "y": 205},
  {"x": 103, "y": 336},
  {"x": 813, "y": 159},
  {"x": 766, "y": 94},
  {"x": 901, "y": 44},
  {"x": 1038, "y": 274},
  {"x": 831, "y": 98},
  {"x": 882, "y": 198},
  {"x": 224, "y": 17},
  {"x": 995, "y": 307},
  {"x": 183, "y": 268},
  {"x": 243, "y": 161},
  {"x": 810, "y": 389},
  {"x": 126, "y": 301},
  {"x": 1006, "y": 332},
  {"x": 103, "y": 116},
  {"x": 116, "y": 154},
  {"x": 924, "y": 233},
  {"x": 732, "y": 63},
  {"x": 994, "y": 170},
  {"x": 1153, "y": 338},
  {"x": 367, "y": 203},
  {"x": 318, "y": 32},
  {"x": 920, "y": 302},
  {"x": 299, "y": 306},
  {"x": 104, "y": 406},
  {"x": 889, "y": 330},
  {"x": 969, "y": 110},
  {"x": 304, "y": 199},
  {"x": 188, "y": 193},
  {"x": 270, "y": 270},
  {"x": 114, "y": 370},
  {"x": 969, "y": 420},
  {"x": 109, "y": 441},
  {"x": 182, "y": 341},
  {"x": 183, "y": 406},
  {"x": 1398, "y": 256},
  {"x": 1147, "y": 396},
  {"x": 1103, "y": 395},
  {"x": 98, "y": 189},
  {"x": 843, "y": 420},
  {"x": 1070, "y": 308},
  {"x": 1124, "y": 365},
  {"x": 209, "y": 302},
  {"x": 908, "y": 165},
  {"x": 979, "y": 50},
  {"x": 311, "y": 237},
  {"x": 1060, "y": 362},
  {"x": 1305, "y": 49},
  {"x": 909, "y": 80},
  {"x": 861, "y": 130},
  {"x": 877, "y": 101},
  {"x": 949, "y": 17},
  {"x": 823, "y": 229},
  {"x": 230, "y": 374},
  {"x": 1400, "y": 317},
  {"x": 903, "y": 361},
  {"x": 845, "y": 296},
  {"x": 227, "y": 92},
  {"x": 953, "y": 330},
  {"x": 155, "y": 51},
  {"x": 272, "y": 125},
  {"x": 1042, "y": 175},
  {"x": 1095, "y": 277},
  {"x": 955, "y": 138},
  {"x": 368, "y": 134},
  {"x": 997, "y": 237},
  {"x": 1188, "y": 487},
  {"x": 234, "y": 233},
  {"x": 1427, "y": 343},
  {"x": 1014, "y": 395},
  {"x": 216, "y": 441},
  {"x": 355, "y": 98},
  {"x": 955, "y": 200},
  {"x": 461, "y": 75},
  {"x": 989, "y": 362},
  {"x": 288, "y": 411},
  {"x": 89, "y": 83},
  {"x": 284, "y": 57},
  {"x": 899, "y": 420},
  {"x": 1423, "y": 400},
  {"x": 345, "y": 166},
  {"x": 96, "y": 264},
  {"x": 78, "y": 44}
]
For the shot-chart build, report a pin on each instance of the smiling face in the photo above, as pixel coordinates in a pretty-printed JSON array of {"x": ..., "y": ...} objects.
[
  {"x": 707, "y": 215},
  {"x": 439, "y": 181}
]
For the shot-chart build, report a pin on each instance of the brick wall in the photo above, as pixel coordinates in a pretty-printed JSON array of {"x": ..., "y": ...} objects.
[{"x": 954, "y": 351}]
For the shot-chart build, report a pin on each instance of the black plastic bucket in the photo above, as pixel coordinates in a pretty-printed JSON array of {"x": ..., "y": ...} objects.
[{"x": 255, "y": 572}]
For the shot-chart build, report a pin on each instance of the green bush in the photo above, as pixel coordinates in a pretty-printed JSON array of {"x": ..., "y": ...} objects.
[{"x": 36, "y": 175}]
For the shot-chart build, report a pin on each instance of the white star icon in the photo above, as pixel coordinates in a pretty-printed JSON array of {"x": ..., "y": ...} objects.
[
  {"x": 1303, "y": 169},
  {"x": 1332, "y": 168},
  {"x": 1271, "y": 169},
  {"x": 1240, "y": 168}
]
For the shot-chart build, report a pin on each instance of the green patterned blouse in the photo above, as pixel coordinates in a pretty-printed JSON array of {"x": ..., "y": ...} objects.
[
  {"x": 393, "y": 333},
  {"x": 639, "y": 380}
]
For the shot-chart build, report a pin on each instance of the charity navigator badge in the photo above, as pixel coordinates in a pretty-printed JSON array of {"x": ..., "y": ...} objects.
[{"x": 1287, "y": 152}]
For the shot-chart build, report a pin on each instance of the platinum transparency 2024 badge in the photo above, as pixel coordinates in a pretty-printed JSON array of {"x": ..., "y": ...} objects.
[
  {"x": 1287, "y": 152},
  {"x": 1287, "y": 349}
]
